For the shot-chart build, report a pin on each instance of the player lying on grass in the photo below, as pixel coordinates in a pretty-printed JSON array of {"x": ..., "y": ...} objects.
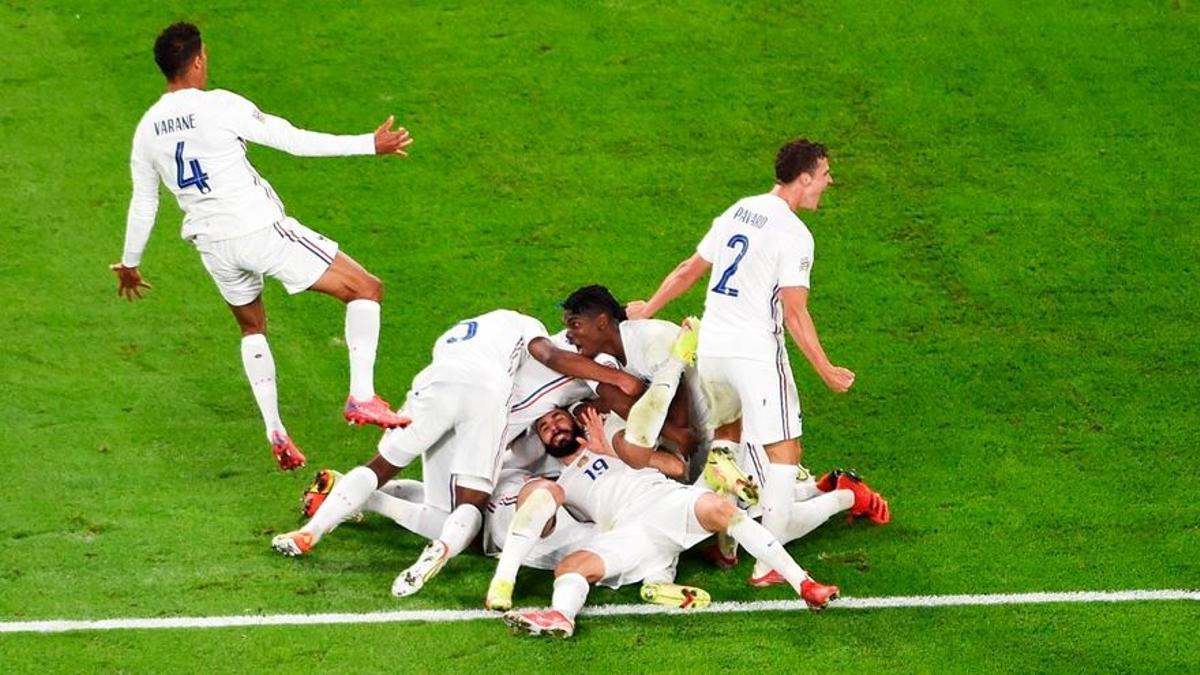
[
  {"x": 646, "y": 519},
  {"x": 662, "y": 353},
  {"x": 194, "y": 140},
  {"x": 461, "y": 424}
]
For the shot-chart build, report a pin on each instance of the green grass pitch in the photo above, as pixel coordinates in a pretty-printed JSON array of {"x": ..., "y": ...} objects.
[{"x": 1008, "y": 259}]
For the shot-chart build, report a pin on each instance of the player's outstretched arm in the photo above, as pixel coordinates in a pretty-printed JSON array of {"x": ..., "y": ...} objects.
[
  {"x": 248, "y": 122},
  {"x": 574, "y": 365},
  {"x": 802, "y": 329},
  {"x": 684, "y": 276},
  {"x": 139, "y": 222}
]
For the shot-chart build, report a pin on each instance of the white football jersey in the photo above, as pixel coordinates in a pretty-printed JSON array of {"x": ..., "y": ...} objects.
[
  {"x": 537, "y": 390},
  {"x": 756, "y": 247},
  {"x": 195, "y": 142},
  {"x": 495, "y": 344},
  {"x": 602, "y": 488}
]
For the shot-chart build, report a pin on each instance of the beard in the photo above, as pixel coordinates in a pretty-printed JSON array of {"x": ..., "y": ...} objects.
[{"x": 567, "y": 446}]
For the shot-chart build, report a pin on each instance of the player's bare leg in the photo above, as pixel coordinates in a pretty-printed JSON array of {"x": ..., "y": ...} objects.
[
  {"x": 362, "y": 292},
  {"x": 348, "y": 496},
  {"x": 572, "y": 581},
  {"x": 457, "y": 533},
  {"x": 260, "y": 371},
  {"x": 536, "y": 505},
  {"x": 718, "y": 515}
]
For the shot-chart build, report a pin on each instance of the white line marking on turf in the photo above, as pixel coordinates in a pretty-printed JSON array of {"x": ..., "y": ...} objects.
[{"x": 451, "y": 615}]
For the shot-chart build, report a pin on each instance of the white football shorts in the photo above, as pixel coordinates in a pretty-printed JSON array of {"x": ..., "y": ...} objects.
[
  {"x": 646, "y": 541},
  {"x": 288, "y": 251},
  {"x": 766, "y": 392},
  {"x": 458, "y": 431}
]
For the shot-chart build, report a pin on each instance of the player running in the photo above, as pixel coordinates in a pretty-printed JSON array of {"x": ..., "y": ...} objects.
[
  {"x": 646, "y": 520},
  {"x": 762, "y": 257},
  {"x": 462, "y": 422},
  {"x": 194, "y": 140}
]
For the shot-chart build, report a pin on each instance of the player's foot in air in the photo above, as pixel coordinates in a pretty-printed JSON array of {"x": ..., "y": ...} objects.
[
  {"x": 867, "y": 502},
  {"x": 375, "y": 411},
  {"x": 771, "y": 578},
  {"x": 286, "y": 452},
  {"x": 293, "y": 544},
  {"x": 817, "y": 595},
  {"x": 499, "y": 595},
  {"x": 723, "y": 474},
  {"x": 548, "y": 622},
  {"x": 685, "y": 345},
  {"x": 413, "y": 579},
  {"x": 675, "y": 595}
]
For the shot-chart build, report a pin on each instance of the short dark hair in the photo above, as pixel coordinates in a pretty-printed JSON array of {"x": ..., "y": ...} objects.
[
  {"x": 594, "y": 299},
  {"x": 175, "y": 48},
  {"x": 797, "y": 157}
]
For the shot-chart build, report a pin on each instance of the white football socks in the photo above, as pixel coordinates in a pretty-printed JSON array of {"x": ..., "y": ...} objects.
[
  {"x": 766, "y": 549},
  {"x": 347, "y": 498},
  {"x": 415, "y": 517},
  {"x": 460, "y": 528},
  {"x": 524, "y": 532},
  {"x": 807, "y": 488},
  {"x": 260, "y": 371},
  {"x": 648, "y": 413},
  {"x": 808, "y": 515},
  {"x": 362, "y": 340},
  {"x": 570, "y": 593},
  {"x": 404, "y": 488},
  {"x": 776, "y": 500}
]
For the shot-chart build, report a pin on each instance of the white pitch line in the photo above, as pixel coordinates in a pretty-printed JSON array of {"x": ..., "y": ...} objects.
[{"x": 453, "y": 615}]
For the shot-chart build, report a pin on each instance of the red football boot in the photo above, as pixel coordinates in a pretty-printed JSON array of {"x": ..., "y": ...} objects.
[
  {"x": 286, "y": 452},
  {"x": 771, "y": 578},
  {"x": 817, "y": 595},
  {"x": 316, "y": 492},
  {"x": 867, "y": 502},
  {"x": 376, "y": 411},
  {"x": 828, "y": 482},
  {"x": 719, "y": 558},
  {"x": 548, "y": 622}
]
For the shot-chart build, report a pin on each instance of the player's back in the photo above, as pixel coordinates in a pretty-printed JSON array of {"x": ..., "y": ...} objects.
[
  {"x": 189, "y": 137},
  {"x": 492, "y": 344},
  {"x": 601, "y": 487},
  {"x": 753, "y": 247}
]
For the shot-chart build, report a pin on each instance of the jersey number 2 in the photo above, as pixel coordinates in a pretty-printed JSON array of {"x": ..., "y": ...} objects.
[
  {"x": 742, "y": 243},
  {"x": 198, "y": 177}
]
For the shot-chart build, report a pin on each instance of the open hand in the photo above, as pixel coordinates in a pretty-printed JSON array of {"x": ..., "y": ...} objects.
[
  {"x": 129, "y": 282},
  {"x": 593, "y": 428},
  {"x": 388, "y": 142}
]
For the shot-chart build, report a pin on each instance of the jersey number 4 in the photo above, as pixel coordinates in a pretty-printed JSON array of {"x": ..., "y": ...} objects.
[
  {"x": 742, "y": 243},
  {"x": 198, "y": 177}
]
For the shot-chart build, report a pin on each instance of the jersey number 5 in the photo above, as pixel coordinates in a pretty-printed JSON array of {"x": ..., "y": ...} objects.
[
  {"x": 742, "y": 243},
  {"x": 198, "y": 177}
]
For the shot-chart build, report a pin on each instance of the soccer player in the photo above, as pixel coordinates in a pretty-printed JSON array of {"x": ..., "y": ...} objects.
[
  {"x": 194, "y": 139},
  {"x": 646, "y": 520},
  {"x": 761, "y": 255},
  {"x": 460, "y": 411}
]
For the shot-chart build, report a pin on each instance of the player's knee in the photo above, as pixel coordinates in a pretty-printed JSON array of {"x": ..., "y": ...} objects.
[
  {"x": 585, "y": 563},
  {"x": 368, "y": 287},
  {"x": 715, "y": 514}
]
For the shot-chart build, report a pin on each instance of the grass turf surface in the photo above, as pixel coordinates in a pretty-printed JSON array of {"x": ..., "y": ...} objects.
[{"x": 1007, "y": 260}]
